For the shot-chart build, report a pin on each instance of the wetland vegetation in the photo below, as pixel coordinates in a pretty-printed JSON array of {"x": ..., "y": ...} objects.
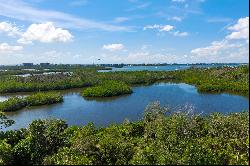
[
  {"x": 37, "y": 99},
  {"x": 107, "y": 89},
  {"x": 222, "y": 79},
  {"x": 162, "y": 137}
]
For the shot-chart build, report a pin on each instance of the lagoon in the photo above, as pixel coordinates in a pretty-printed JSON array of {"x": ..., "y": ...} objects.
[{"x": 76, "y": 110}]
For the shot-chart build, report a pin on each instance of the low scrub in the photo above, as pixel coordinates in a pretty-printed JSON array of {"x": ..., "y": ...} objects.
[
  {"x": 12, "y": 104},
  {"x": 43, "y": 99},
  {"x": 107, "y": 89},
  {"x": 162, "y": 137}
]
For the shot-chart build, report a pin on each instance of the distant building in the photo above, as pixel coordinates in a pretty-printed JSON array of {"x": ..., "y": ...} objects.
[
  {"x": 28, "y": 64},
  {"x": 44, "y": 64}
]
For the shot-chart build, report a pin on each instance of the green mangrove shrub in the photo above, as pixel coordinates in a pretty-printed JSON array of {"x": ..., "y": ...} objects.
[
  {"x": 162, "y": 137},
  {"x": 17, "y": 103},
  {"x": 12, "y": 104},
  {"x": 43, "y": 99},
  {"x": 5, "y": 121},
  {"x": 107, "y": 89}
]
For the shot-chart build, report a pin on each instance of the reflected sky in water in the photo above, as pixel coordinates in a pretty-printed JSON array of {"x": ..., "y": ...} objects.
[{"x": 77, "y": 110}]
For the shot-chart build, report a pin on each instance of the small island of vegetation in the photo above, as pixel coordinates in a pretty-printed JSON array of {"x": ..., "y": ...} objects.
[
  {"x": 37, "y": 99},
  {"x": 107, "y": 89}
]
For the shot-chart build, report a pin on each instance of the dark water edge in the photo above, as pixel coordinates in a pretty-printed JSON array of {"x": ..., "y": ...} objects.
[{"x": 76, "y": 110}]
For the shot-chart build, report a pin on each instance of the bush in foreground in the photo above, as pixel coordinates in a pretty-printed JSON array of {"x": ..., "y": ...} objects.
[
  {"x": 4, "y": 121},
  {"x": 160, "y": 138},
  {"x": 107, "y": 89}
]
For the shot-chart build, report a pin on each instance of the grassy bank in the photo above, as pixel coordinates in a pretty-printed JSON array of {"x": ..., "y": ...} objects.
[
  {"x": 161, "y": 137},
  {"x": 107, "y": 89},
  {"x": 226, "y": 79},
  {"x": 17, "y": 103}
]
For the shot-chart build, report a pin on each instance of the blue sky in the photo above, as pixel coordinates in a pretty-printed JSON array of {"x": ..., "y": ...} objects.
[{"x": 124, "y": 31}]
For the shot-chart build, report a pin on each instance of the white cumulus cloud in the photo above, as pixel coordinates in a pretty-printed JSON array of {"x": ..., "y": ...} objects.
[
  {"x": 234, "y": 47},
  {"x": 221, "y": 51},
  {"x": 166, "y": 28},
  {"x": 240, "y": 30},
  {"x": 215, "y": 48},
  {"x": 45, "y": 32},
  {"x": 6, "y": 48},
  {"x": 9, "y": 29},
  {"x": 113, "y": 47}
]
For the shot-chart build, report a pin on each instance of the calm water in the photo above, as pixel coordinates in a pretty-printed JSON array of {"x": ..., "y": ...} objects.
[
  {"x": 78, "y": 111},
  {"x": 167, "y": 67}
]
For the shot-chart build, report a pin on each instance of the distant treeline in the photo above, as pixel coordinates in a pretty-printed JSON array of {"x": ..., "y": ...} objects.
[{"x": 221, "y": 79}]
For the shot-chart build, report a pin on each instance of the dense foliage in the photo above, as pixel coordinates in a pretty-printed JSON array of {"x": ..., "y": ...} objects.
[
  {"x": 43, "y": 99},
  {"x": 227, "y": 79},
  {"x": 221, "y": 79},
  {"x": 4, "y": 121},
  {"x": 37, "y": 99},
  {"x": 162, "y": 137},
  {"x": 107, "y": 89},
  {"x": 12, "y": 104}
]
